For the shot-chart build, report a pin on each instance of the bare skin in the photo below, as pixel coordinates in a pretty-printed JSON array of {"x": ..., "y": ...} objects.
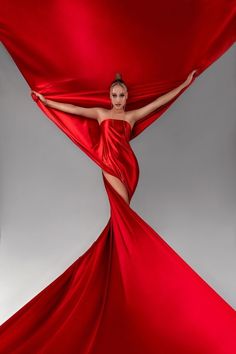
[{"x": 118, "y": 97}]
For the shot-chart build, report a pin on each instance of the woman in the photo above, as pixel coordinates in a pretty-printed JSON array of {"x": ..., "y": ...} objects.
[
  {"x": 130, "y": 292},
  {"x": 118, "y": 97}
]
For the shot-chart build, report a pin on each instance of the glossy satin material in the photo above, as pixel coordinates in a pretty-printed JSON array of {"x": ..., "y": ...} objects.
[
  {"x": 130, "y": 292},
  {"x": 116, "y": 153}
]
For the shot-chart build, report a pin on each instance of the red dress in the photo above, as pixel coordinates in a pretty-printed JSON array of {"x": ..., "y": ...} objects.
[
  {"x": 129, "y": 293},
  {"x": 116, "y": 153}
]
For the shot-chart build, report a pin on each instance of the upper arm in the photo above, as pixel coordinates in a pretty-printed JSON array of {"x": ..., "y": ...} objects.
[
  {"x": 140, "y": 113},
  {"x": 93, "y": 112}
]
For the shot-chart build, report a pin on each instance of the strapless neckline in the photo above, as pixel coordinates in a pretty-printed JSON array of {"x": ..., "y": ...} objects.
[{"x": 120, "y": 120}]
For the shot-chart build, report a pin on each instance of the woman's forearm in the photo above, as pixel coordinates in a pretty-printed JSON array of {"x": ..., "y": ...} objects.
[
  {"x": 65, "y": 107},
  {"x": 171, "y": 94},
  {"x": 160, "y": 101}
]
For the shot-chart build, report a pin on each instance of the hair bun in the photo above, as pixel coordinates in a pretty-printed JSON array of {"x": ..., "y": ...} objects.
[
  {"x": 118, "y": 81},
  {"x": 118, "y": 77}
]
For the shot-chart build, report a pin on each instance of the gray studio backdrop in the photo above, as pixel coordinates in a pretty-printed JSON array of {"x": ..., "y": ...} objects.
[{"x": 54, "y": 204}]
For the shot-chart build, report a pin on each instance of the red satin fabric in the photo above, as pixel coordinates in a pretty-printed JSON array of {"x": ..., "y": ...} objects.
[
  {"x": 130, "y": 292},
  {"x": 116, "y": 154}
]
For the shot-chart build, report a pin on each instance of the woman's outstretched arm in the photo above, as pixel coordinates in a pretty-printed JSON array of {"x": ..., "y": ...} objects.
[
  {"x": 160, "y": 101},
  {"x": 69, "y": 108}
]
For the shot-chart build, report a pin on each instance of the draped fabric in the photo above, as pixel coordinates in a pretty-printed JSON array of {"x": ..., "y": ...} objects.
[{"x": 130, "y": 292}]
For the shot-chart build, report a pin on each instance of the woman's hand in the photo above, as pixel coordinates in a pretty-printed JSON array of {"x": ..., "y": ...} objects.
[
  {"x": 189, "y": 78},
  {"x": 40, "y": 96}
]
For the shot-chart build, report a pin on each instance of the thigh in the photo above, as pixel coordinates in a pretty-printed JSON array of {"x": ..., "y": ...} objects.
[{"x": 117, "y": 185}]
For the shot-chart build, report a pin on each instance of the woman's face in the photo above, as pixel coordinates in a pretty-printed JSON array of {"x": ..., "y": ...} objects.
[{"x": 118, "y": 96}]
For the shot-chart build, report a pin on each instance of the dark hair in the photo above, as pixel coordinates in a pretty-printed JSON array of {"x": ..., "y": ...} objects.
[{"x": 118, "y": 81}]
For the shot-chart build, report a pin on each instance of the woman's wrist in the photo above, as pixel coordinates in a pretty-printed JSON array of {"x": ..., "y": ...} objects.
[{"x": 183, "y": 85}]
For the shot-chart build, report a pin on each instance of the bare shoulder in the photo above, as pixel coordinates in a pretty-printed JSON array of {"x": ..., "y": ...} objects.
[
  {"x": 102, "y": 114},
  {"x": 130, "y": 117}
]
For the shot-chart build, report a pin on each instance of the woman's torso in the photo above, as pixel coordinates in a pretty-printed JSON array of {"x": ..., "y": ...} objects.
[
  {"x": 103, "y": 114},
  {"x": 116, "y": 152}
]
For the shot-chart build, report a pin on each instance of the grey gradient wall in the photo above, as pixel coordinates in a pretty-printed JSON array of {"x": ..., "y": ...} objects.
[{"x": 54, "y": 204}]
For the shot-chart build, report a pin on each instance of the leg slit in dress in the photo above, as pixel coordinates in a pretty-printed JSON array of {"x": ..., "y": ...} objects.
[{"x": 118, "y": 185}]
